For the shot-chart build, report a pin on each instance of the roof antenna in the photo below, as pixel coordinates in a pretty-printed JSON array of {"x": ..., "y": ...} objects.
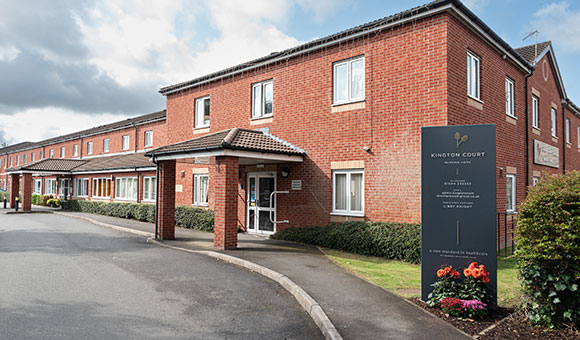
[{"x": 534, "y": 33}]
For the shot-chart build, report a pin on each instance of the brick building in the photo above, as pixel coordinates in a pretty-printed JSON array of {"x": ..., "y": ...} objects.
[{"x": 333, "y": 125}]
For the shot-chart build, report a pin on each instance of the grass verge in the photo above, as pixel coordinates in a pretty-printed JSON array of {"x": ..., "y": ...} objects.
[{"x": 405, "y": 279}]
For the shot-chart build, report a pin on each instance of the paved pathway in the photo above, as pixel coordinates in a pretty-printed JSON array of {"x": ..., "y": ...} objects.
[{"x": 358, "y": 309}]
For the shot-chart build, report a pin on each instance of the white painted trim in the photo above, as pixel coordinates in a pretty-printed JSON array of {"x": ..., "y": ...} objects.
[
  {"x": 233, "y": 153},
  {"x": 112, "y": 171}
]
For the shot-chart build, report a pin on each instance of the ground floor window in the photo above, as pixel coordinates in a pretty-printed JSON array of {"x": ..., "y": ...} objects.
[
  {"x": 511, "y": 192},
  {"x": 81, "y": 187},
  {"x": 50, "y": 187},
  {"x": 37, "y": 187},
  {"x": 149, "y": 188},
  {"x": 200, "y": 189},
  {"x": 101, "y": 187},
  {"x": 348, "y": 191},
  {"x": 126, "y": 188},
  {"x": 535, "y": 180}
]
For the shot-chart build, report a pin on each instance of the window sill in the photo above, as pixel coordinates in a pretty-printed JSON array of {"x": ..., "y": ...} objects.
[
  {"x": 357, "y": 105},
  {"x": 148, "y": 201},
  {"x": 262, "y": 120},
  {"x": 510, "y": 119},
  {"x": 476, "y": 99},
  {"x": 349, "y": 102},
  {"x": 124, "y": 200},
  {"x": 200, "y": 130},
  {"x": 334, "y": 213},
  {"x": 476, "y": 103},
  {"x": 554, "y": 139},
  {"x": 197, "y": 205}
]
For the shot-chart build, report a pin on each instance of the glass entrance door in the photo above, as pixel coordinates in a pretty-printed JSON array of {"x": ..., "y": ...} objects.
[
  {"x": 64, "y": 189},
  {"x": 260, "y": 186}
]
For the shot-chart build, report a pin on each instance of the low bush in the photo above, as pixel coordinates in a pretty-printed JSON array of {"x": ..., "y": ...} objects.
[
  {"x": 186, "y": 217},
  {"x": 548, "y": 250},
  {"x": 398, "y": 241}
]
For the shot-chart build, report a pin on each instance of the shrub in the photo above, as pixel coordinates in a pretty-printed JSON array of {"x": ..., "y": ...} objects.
[
  {"x": 445, "y": 287},
  {"x": 399, "y": 241},
  {"x": 548, "y": 250},
  {"x": 186, "y": 217}
]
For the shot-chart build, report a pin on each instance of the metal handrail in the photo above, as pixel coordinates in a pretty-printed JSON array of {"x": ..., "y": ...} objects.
[{"x": 271, "y": 194}]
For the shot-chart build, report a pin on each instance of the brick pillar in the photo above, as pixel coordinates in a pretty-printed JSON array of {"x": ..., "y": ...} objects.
[
  {"x": 166, "y": 200},
  {"x": 26, "y": 192},
  {"x": 14, "y": 188},
  {"x": 225, "y": 235}
]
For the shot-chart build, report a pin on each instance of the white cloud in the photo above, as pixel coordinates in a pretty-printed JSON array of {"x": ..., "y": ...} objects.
[
  {"x": 476, "y": 5},
  {"x": 38, "y": 124},
  {"x": 560, "y": 23},
  {"x": 321, "y": 8},
  {"x": 8, "y": 53}
]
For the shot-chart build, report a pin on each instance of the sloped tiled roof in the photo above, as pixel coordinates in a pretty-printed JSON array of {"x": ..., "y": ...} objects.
[
  {"x": 11, "y": 148},
  {"x": 529, "y": 52},
  {"x": 50, "y": 165},
  {"x": 232, "y": 139},
  {"x": 128, "y": 161}
]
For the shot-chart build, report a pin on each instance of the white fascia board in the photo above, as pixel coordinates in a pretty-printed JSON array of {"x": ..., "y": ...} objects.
[
  {"x": 40, "y": 173},
  {"x": 84, "y": 172},
  {"x": 233, "y": 153}
]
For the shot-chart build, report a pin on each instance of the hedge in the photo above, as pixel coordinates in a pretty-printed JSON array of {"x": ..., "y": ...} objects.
[
  {"x": 398, "y": 241},
  {"x": 185, "y": 217},
  {"x": 548, "y": 250}
]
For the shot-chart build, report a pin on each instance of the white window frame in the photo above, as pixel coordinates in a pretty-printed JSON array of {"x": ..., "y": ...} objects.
[
  {"x": 473, "y": 76},
  {"x": 41, "y": 154},
  {"x": 50, "y": 186},
  {"x": 126, "y": 188},
  {"x": 126, "y": 142},
  {"x": 97, "y": 182},
  {"x": 17, "y": 160},
  {"x": 348, "y": 173},
  {"x": 75, "y": 150},
  {"x": 149, "y": 138},
  {"x": 535, "y": 181},
  {"x": 511, "y": 177},
  {"x": 198, "y": 190},
  {"x": 89, "y": 148},
  {"x": 535, "y": 112},
  {"x": 81, "y": 187},
  {"x": 150, "y": 188},
  {"x": 32, "y": 157},
  {"x": 62, "y": 152},
  {"x": 11, "y": 159},
  {"x": 510, "y": 98},
  {"x": 568, "y": 130},
  {"x": 553, "y": 118},
  {"x": 37, "y": 189},
  {"x": 106, "y": 145},
  {"x": 199, "y": 117},
  {"x": 349, "y": 97},
  {"x": 24, "y": 159},
  {"x": 262, "y": 108},
  {"x": 51, "y": 153}
]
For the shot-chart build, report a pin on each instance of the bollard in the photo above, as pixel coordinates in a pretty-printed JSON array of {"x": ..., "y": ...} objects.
[
  {"x": 4, "y": 202},
  {"x": 16, "y": 203}
]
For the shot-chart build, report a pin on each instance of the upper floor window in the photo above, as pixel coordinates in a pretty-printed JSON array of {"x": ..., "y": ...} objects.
[
  {"x": 567, "y": 130},
  {"x": 202, "y": 112},
  {"x": 472, "y": 75},
  {"x": 554, "y": 122},
  {"x": 125, "y": 142},
  {"x": 42, "y": 154},
  {"x": 11, "y": 161},
  {"x": 75, "y": 150},
  {"x": 511, "y": 192},
  {"x": 51, "y": 153},
  {"x": 106, "y": 145},
  {"x": 24, "y": 159},
  {"x": 348, "y": 80},
  {"x": 535, "y": 113},
  {"x": 348, "y": 191},
  {"x": 149, "y": 138},
  {"x": 89, "y": 148},
  {"x": 509, "y": 97},
  {"x": 18, "y": 160},
  {"x": 262, "y": 99},
  {"x": 32, "y": 156},
  {"x": 62, "y": 152}
]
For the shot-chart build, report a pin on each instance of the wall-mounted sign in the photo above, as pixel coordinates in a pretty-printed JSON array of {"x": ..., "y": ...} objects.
[
  {"x": 458, "y": 201},
  {"x": 179, "y": 188},
  {"x": 545, "y": 154},
  {"x": 296, "y": 184}
]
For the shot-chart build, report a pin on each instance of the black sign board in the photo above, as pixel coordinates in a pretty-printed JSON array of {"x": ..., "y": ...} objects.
[{"x": 458, "y": 201}]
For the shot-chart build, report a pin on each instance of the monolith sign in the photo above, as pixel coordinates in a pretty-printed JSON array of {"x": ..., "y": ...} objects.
[{"x": 458, "y": 201}]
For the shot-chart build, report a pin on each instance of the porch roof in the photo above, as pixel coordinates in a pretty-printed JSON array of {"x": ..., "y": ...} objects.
[{"x": 241, "y": 142}]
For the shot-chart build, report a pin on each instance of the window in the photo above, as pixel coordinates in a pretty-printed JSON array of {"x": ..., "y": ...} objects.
[
  {"x": 472, "y": 75},
  {"x": 42, "y": 154},
  {"x": 50, "y": 186},
  {"x": 578, "y": 137},
  {"x": 126, "y": 188},
  {"x": 62, "y": 152},
  {"x": 51, "y": 153},
  {"x": 126, "y": 142},
  {"x": 148, "y": 138},
  {"x": 18, "y": 160},
  {"x": 200, "y": 189},
  {"x": 553, "y": 122},
  {"x": 149, "y": 188},
  {"x": 106, "y": 145},
  {"x": 202, "y": 112},
  {"x": 535, "y": 180},
  {"x": 511, "y": 192},
  {"x": 81, "y": 187},
  {"x": 567, "y": 131},
  {"x": 535, "y": 113},
  {"x": 75, "y": 150},
  {"x": 32, "y": 156},
  {"x": 509, "y": 98},
  {"x": 37, "y": 187},
  {"x": 101, "y": 187},
  {"x": 11, "y": 161},
  {"x": 89, "y": 148},
  {"x": 262, "y": 99},
  {"x": 24, "y": 158},
  {"x": 348, "y": 80},
  {"x": 348, "y": 192}
]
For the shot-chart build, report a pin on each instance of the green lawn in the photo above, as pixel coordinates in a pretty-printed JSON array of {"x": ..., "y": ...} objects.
[{"x": 405, "y": 279}]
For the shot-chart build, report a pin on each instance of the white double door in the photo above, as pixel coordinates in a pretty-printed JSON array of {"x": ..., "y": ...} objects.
[{"x": 259, "y": 208}]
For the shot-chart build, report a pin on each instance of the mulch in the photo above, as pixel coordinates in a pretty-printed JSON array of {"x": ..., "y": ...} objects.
[{"x": 510, "y": 323}]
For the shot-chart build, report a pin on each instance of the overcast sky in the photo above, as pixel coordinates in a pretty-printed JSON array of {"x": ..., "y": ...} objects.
[{"x": 67, "y": 65}]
